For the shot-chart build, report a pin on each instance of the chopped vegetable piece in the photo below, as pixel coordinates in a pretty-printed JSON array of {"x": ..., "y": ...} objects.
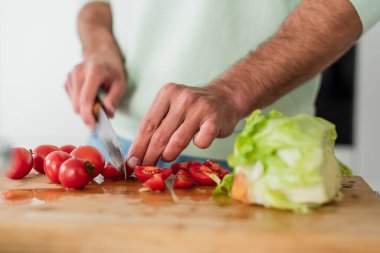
[
  {"x": 156, "y": 182},
  {"x": 183, "y": 180}
]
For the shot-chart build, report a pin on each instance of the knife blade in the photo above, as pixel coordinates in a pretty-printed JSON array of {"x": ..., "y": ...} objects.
[{"x": 108, "y": 138}]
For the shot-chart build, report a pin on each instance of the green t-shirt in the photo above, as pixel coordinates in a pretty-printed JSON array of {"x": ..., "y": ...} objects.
[{"x": 192, "y": 43}]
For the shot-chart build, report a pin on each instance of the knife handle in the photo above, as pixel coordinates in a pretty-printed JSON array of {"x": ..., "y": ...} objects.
[{"x": 96, "y": 108}]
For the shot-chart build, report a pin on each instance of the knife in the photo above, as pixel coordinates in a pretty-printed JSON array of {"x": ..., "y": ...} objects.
[{"x": 108, "y": 138}]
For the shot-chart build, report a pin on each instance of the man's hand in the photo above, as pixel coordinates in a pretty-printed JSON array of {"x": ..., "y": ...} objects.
[
  {"x": 179, "y": 114},
  {"x": 102, "y": 66},
  {"x": 100, "y": 70},
  {"x": 316, "y": 34}
]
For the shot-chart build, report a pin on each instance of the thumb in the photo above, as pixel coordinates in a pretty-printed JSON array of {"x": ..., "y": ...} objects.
[{"x": 111, "y": 100}]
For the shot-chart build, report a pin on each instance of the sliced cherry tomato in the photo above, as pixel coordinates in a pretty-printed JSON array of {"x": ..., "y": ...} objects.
[
  {"x": 39, "y": 154},
  {"x": 68, "y": 148},
  {"x": 220, "y": 171},
  {"x": 52, "y": 164},
  {"x": 183, "y": 180},
  {"x": 21, "y": 163},
  {"x": 156, "y": 182},
  {"x": 198, "y": 173},
  {"x": 143, "y": 173},
  {"x": 75, "y": 173},
  {"x": 183, "y": 166},
  {"x": 175, "y": 167},
  {"x": 91, "y": 154},
  {"x": 110, "y": 172}
]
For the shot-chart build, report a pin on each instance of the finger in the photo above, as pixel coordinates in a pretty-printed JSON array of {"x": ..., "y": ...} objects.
[
  {"x": 148, "y": 126},
  {"x": 113, "y": 96},
  {"x": 179, "y": 140},
  {"x": 87, "y": 97},
  {"x": 77, "y": 79},
  {"x": 68, "y": 85},
  {"x": 162, "y": 135},
  {"x": 207, "y": 133}
]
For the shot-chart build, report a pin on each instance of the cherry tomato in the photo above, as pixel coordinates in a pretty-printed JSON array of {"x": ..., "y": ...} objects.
[
  {"x": 198, "y": 173},
  {"x": 91, "y": 154},
  {"x": 20, "y": 164},
  {"x": 156, "y": 182},
  {"x": 52, "y": 164},
  {"x": 143, "y": 173},
  {"x": 67, "y": 148},
  {"x": 220, "y": 171},
  {"x": 183, "y": 180},
  {"x": 110, "y": 172},
  {"x": 75, "y": 173},
  {"x": 39, "y": 154}
]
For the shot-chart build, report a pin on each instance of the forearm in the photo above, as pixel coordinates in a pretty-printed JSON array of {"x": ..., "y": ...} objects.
[
  {"x": 316, "y": 34},
  {"x": 95, "y": 29}
]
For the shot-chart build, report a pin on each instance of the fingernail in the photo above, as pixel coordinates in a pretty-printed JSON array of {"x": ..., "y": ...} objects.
[{"x": 132, "y": 162}]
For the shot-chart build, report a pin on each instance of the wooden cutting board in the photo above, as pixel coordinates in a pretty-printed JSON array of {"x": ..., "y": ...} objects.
[{"x": 36, "y": 216}]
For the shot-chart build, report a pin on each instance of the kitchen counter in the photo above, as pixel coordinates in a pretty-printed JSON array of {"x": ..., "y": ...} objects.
[{"x": 36, "y": 216}]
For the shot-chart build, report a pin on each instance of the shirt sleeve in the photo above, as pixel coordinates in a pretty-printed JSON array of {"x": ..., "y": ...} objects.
[{"x": 369, "y": 12}]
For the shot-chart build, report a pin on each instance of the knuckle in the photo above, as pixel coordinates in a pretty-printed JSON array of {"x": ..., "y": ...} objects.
[
  {"x": 147, "y": 126},
  {"x": 94, "y": 67},
  {"x": 77, "y": 68},
  {"x": 178, "y": 142},
  {"x": 159, "y": 139},
  {"x": 168, "y": 88},
  {"x": 210, "y": 129},
  {"x": 186, "y": 96}
]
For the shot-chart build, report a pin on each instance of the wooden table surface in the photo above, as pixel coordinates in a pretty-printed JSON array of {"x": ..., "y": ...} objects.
[{"x": 36, "y": 216}]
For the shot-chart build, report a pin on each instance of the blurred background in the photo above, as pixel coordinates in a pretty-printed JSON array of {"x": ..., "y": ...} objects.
[{"x": 38, "y": 48}]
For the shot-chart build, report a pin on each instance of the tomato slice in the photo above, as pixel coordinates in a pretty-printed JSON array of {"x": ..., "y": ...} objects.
[
  {"x": 198, "y": 173},
  {"x": 220, "y": 171},
  {"x": 110, "y": 172},
  {"x": 156, "y": 182},
  {"x": 143, "y": 173},
  {"x": 183, "y": 180},
  {"x": 183, "y": 166}
]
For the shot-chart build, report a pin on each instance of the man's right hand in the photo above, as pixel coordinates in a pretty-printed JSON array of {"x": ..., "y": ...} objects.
[
  {"x": 102, "y": 66},
  {"x": 101, "y": 70}
]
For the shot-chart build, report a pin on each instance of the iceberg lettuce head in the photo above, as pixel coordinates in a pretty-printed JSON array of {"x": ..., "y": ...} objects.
[{"x": 286, "y": 162}]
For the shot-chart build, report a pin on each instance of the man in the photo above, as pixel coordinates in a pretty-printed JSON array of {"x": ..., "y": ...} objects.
[{"x": 190, "y": 71}]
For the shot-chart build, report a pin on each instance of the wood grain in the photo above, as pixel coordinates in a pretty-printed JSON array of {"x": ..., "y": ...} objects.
[{"x": 36, "y": 216}]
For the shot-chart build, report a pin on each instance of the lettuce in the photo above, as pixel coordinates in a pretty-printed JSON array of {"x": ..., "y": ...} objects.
[{"x": 285, "y": 162}]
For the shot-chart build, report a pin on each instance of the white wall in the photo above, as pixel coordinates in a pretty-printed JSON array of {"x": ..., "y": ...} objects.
[
  {"x": 38, "y": 46},
  {"x": 367, "y": 151}
]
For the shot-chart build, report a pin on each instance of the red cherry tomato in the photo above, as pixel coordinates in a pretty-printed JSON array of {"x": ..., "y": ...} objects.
[
  {"x": 219, "y": 170},
  {"x": 156, "y": 182},
  {"x": 198, "y": 173},
  {"x": 183, "y": 180},
  {"x": 20, "y": 164},
  {"x": 39, "y": 154},
  {"x": 110, "y": 172},
  {"x": 91, "y": 154},
  {"x": 52, "y": 164},
  {"x": 143, "y": 173},
  {"x": 68, "y": 148},
  {"x": 75, "y": 173}
]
